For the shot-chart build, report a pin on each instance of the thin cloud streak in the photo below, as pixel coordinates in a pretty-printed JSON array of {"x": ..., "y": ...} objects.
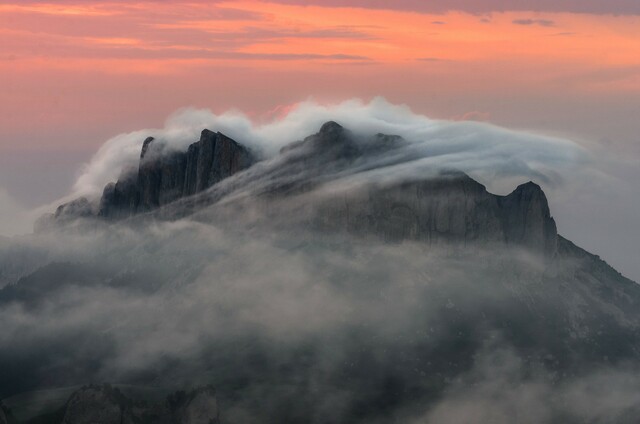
[{"x": 541, "y": 22}]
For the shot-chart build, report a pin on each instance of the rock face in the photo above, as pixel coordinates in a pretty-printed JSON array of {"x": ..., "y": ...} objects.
[
  {"x": 3, "y": 417},
  {"x": 106, "y": 405},
  {"x": 163, "y": 177},
  {"x": 445, "y": 206},
  {"x": 441, "y": 206},
  {"x": 97, "y": 404},
  {"x": 199, "y": 406},
  {"x": 452, "y": 207}
]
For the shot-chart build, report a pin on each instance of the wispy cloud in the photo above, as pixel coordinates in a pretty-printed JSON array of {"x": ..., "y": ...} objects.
[{"x": 540, "y": 22}]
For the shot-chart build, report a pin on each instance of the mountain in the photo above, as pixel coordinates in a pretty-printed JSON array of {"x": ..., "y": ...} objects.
[
  {"x": 446, "y": 206},
  {"x": 338, "y": 281}
]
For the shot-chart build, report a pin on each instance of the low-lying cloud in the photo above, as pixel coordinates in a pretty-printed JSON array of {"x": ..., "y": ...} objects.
[
  {"x": 582, "y": 181},
  {"x": 304, "y": 326}
]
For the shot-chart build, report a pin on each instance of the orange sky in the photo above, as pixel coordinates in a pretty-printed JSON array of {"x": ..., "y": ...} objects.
[{"x": 74, "y": 73}]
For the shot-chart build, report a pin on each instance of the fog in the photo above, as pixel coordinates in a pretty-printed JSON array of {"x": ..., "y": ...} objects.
[
  {"x": 486, "y": 151},
  {"x": 292, "y": 325},
  {"x": 295, "y": 324},
  {"x": 591, "y": 191}
]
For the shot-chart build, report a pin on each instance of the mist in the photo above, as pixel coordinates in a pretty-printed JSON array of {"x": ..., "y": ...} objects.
[
  {"x": 483, "y": 150},
  {"x": 335, "y": 322},
  {"x": 584, "y": 182},
  {"x": 243, "y": 294}
]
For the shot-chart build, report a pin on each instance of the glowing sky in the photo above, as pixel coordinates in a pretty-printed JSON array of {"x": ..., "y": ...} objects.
[{"x": 74, "y": 73}]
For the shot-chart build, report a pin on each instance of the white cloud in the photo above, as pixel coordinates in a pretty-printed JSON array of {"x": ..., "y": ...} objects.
[
  {"x": 483, "y": 150},
  {"x": 581, "y": 181}
]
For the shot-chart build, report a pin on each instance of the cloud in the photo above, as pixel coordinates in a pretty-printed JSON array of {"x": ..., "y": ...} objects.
[
  {"x": 429, "y": 59},
  {"x": 628, "y": 7},
  {"x": 582, "y": 183},
  {"x": 330, "y": 321},
  {"x": 277, "y": 311},
  {"x": 529, "y": 22},
  {"x": 486, "y": 151},
  {"x": 502, "y": 388}
]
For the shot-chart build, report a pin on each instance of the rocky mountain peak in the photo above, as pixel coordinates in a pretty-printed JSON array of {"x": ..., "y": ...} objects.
[
  {"x": 446, "y": 205},
  {"x": 528, "y": 217},
  {"x": 145, "y": 146},
  {"x": 167, "y": 176},
  {"x": 97, "y": 404},
  {"x": 106, "y": 404},
  {"x": 331, "y": 127},
  {"x": 332, "y": 142}
]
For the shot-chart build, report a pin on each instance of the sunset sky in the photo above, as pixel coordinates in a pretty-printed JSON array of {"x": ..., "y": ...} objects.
[{"x": 74, "y": 73}]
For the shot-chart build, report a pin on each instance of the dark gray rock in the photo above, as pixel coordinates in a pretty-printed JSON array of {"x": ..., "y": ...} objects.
[
  {"x": 442, "y": 206},
  {"x": 78, "y": 208},
  {"x": 165, "y": 176},
  {"x": 527, "y": 220},
  {"x": 120, "y": 199},
  {"x": 214, "y": 158},
  {"x": 332, "y": 142},
  {"x": 97, "y": 404},
  {"x": 106, "y": 405},
  {"x": 448, "y": 207},
  {"x": 3, "y": 417},
  {"x": 199, "y": 406}
]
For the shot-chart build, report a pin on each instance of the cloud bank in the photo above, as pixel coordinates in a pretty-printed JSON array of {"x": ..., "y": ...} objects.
[
  {"x": 485, "y": 151},
  {"x": 630, "y": 7},
  {"x": 305, "y": 326}
]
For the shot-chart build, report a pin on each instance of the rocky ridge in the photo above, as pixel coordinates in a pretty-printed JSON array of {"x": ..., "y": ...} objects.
[
  {"x": 106, "y": 404},
  {"x": 445, "y": 206}
]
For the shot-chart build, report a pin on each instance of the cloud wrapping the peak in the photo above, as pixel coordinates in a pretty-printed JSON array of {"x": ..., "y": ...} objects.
[{"x": 487, "y": 152}]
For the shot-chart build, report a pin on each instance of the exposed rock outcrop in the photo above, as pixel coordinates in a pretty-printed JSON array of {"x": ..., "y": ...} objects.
[
  {"x": 162, "y": 177},
  {"x": 199, "y": 406},
  {"x": 440, "y": 206},
  {"x": 3, "y": 417},
  {"x": 449, "y": 207},
  {"x": 98, "y": 404},
  {"x": 106, "y": 405}
]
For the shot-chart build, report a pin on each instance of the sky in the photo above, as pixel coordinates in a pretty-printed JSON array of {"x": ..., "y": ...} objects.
[{"x": 75, "y": 73}]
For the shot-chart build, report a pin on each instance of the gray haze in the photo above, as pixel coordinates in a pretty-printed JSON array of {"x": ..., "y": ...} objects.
[
  {"x": 292, "y": 324},
  {"x": 178, "y": 304}
]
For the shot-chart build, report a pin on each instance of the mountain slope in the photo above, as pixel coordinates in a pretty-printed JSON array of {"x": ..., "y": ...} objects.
[{"x": 336, "y": 282}]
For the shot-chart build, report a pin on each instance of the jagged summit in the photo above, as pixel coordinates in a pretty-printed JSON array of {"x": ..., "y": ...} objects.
[
  {"x": 445, "y": 206},
  {"x": 165, "y": 177},
  {"x": 330, "y": 127},
  {"x": 145, "y": 146},
  {"x": 411, "y": 277}
]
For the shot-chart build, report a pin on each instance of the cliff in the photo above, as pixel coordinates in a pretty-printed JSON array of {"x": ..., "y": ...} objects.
[
  {"x": 443, "y": 205},
  {"x": 163, "y": 177}
]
